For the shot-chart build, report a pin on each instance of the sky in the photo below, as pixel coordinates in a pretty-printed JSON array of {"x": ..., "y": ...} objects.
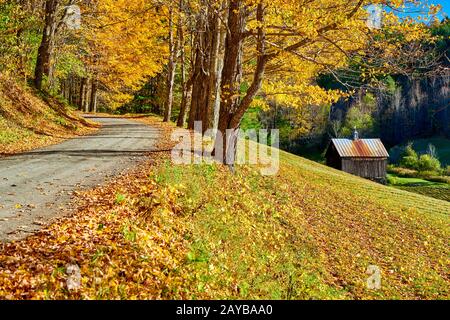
[
  {"x": 445, "y": 4},
  {"x": 375, "y": 11},
  {"x": 445, "y": 7}
]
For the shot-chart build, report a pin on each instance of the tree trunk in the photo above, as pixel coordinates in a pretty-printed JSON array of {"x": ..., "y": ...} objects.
[
  {"x": 182, "y": 115},
  {"x": 72, "y": 89},
  {"x": 213, "y": 67},
  {"x": 205, "y": 69},
  {"x": 43, "y": 63},
  {"x": 185, "y": 84},
  {"x": 233, "y": 107},
  {"x": 93, "y": 102},
  {"x": 87, "y": 95},
  {"x": 185, "y": 100},
  {"x": 220, "y": 64},
  {"x": 231, "y": 79},
  {"x": 83, "y": 93},
  {"x": 171, "y": 70},
  {"x": 76, "y": 91},
  {"x": 66, "y": 89},
  {"x": 199, "y": 68},
  {"x": 63, "y": 88}
]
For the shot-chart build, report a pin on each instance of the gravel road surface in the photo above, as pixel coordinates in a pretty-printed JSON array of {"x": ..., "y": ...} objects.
[{"x": 36, "y": 186}]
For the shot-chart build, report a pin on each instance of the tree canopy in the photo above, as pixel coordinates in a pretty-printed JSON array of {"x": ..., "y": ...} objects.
[{"x": 213, "y": 59}]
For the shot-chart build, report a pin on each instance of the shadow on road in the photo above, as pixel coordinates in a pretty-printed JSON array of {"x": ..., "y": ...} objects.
[{"x": 93, "y": 153}]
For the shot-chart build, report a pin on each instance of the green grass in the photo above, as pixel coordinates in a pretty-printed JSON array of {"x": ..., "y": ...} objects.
[
  {"x": 120, "y": 198},
  {"x": 439, "y": 191},
  {"x": 432, "y": 189},
  {"x": 309, "y": 232},
  {"x": 10, "y": 134},
  {"x": 251, "y": 119},
  {"x": 402, "y": 181}
]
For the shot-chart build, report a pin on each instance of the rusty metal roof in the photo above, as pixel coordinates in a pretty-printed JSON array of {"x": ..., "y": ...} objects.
[{"x": 360, "y": 148}]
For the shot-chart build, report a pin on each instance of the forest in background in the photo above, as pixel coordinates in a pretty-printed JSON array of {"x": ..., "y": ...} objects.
[
  {"x": 225, "y": 63},
  {"x": 419, "y": 90}
]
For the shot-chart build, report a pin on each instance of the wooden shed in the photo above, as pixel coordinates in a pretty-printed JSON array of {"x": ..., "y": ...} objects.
[{"x": 366, "y": 158}]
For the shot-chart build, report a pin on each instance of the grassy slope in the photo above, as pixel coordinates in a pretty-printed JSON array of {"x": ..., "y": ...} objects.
[
  {"x": 402, "y": 181},
  {"x": 28, "y": 122},
  {"x": 311, "y": 232},
  {"x": 441, "y": 191},
  {"x": 197, "y": 231},
  {"x": 428, "y": 188}
]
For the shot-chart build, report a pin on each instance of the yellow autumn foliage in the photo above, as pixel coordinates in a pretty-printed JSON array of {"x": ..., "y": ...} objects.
[
  {"x": 125, "y": 41},
  {"x": 330, "y": 32}
]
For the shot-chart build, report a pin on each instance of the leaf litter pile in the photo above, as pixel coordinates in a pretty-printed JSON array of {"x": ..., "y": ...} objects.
[
  {"x": 28, "y": 122},
  {"x": 112, "y": 245},
  {"x": 164, "y": 231}
]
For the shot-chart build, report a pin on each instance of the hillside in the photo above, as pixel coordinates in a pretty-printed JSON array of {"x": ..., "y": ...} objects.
[
  {"x": 28, "y": 121},
  {"x": 197, "y": 231}
]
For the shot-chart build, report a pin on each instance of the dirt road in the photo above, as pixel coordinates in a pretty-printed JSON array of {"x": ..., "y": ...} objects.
[{"x": 37, "y": 186}]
